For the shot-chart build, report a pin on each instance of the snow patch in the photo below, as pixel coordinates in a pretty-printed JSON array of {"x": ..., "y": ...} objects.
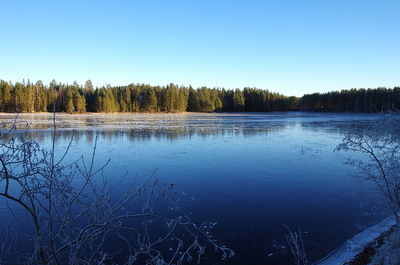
[{"x": 356, "y": 245}]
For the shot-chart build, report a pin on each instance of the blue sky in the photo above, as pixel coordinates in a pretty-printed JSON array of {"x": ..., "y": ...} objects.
[{"x": 292, "y": 47}]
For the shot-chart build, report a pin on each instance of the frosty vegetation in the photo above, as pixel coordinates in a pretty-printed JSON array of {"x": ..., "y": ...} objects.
[
  {"x": 380, "y": 146},
  {"x": 295, "y": 244},
  {"x": 67, "y": 212},
  {"x": 389, "y": 252}
]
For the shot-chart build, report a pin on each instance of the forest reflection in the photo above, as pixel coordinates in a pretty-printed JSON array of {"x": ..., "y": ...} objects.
[
  {"x": 170, "y": 127},
  {"x": 171, "y": 133}
]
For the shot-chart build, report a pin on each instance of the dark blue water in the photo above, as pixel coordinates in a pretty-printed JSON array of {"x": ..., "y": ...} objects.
[{"x": 250, "y": 173}]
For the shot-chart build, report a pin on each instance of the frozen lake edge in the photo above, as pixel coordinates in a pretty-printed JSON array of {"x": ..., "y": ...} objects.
[{"x": 356, "y": 245}]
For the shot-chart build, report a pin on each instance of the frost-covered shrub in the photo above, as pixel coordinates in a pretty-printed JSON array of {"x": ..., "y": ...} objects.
[
  {"x": 389, "y": 252},
  {"x": 379, "y": 146},
  {"x": 71, "y": 213}
]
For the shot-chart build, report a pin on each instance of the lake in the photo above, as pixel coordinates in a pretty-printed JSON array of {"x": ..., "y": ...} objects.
[{"x": 252, "y": 174}]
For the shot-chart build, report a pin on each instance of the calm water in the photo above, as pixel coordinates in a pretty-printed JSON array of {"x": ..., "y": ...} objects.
[{"x": 250, "y": 173}]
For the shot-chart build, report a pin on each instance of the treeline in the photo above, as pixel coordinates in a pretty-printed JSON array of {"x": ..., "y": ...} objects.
[
  {"x": 37, "y": 97},
  {"x": 76, "y": 98},
  {"x": 353, "y": 100}
]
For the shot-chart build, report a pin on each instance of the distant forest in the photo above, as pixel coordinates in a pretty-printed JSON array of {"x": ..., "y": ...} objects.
[{"x": 76, "y": 98}]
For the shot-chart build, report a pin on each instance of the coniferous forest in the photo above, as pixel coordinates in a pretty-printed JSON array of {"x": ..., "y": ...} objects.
[{"x": 76, "y": 98}]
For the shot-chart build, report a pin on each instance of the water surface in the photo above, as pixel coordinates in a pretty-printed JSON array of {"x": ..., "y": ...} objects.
[{"x": 250, "y": 173}]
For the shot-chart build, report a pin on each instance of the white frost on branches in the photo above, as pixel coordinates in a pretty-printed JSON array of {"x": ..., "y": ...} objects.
[{"x": 71, "y": 223}]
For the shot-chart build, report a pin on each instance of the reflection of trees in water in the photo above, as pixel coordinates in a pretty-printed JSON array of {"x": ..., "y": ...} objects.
[
  {"x": 144, "y": 127},
  {"x": 147, "y": 134},
  {"x": 190, "y": 131}
]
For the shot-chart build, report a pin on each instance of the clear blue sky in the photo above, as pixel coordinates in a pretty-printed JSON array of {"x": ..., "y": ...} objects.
[{"x": 293, "y": 47}]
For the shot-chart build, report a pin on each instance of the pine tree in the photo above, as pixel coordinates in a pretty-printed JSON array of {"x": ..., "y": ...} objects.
[
  {"x": 238, "y": 100},
  {"x": 88, "y": 86},
  {"x": 79, "y": 102},
  {"x": 69, "y": 101},
  {"x": 152, "y": 100}
]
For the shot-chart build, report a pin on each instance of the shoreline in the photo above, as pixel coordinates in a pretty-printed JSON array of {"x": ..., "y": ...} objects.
[
  {"x": 358, "y": 244},
  {"x": 189, "y": 112}
]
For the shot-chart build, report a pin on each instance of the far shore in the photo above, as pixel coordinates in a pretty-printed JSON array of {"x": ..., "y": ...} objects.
[{"x": 184, "y": 112}]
